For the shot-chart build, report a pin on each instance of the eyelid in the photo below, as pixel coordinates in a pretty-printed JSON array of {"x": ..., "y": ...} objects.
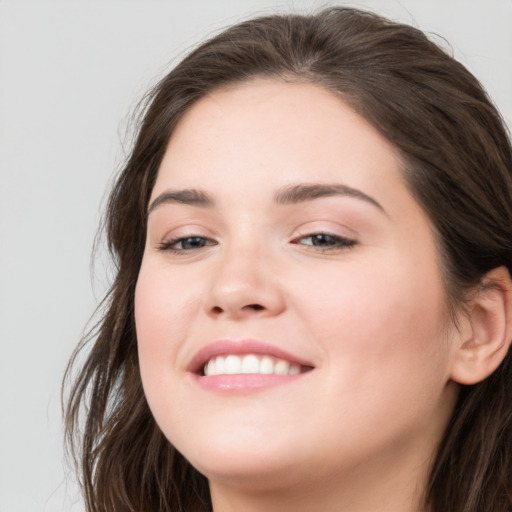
[
  {"x": 328, "y": 227},
  {"x": 180, "y": 228}
]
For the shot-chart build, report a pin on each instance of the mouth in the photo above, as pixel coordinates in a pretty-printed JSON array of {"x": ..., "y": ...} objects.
[
  {"x": 248, "y": 359},
  {"x": 251, "y": 364}
]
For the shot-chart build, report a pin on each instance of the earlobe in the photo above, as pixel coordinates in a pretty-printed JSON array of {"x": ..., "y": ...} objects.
[{"x": 490, "y": 318}]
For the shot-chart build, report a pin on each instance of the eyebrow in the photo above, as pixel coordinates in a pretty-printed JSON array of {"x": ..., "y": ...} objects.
[
  {"x": 289, "y": 194},
  {"x": 292, "y": 194},
  {"x": 189, "y": 196}
]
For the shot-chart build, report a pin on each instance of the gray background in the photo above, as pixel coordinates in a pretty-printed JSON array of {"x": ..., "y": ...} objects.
[{"x": 70, "y": 74}]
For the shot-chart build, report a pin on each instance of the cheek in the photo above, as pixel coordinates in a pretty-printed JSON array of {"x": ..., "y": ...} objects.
[
  {"x": 162, "y": 320},
  {"x": 163, "y": 305},
  {"x": 151, "y": 313},
  {"x": 151, "y": 330},
  {"x": 379, "y": 317},
  {"x": 385, "y": 346}
]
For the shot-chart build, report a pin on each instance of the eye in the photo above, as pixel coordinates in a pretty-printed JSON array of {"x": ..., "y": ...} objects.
[
  {"x": 325, "y": 241},
  {"x": 186, "y": 243}
]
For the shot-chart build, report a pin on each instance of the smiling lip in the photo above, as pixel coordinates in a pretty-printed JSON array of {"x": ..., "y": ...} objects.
[
  {"x": 228, "y": 347},
  {"x": 244, "y": 381}
]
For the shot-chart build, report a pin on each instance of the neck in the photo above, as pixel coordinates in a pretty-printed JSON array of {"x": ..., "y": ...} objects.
[{"x": 393, "y": 490}]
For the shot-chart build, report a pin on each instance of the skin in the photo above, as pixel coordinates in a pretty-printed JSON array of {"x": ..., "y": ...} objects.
[{"x": 367, "y": 313}]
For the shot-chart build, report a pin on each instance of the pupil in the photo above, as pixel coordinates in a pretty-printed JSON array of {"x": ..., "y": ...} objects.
[
  {"x": 193, "y": 242},
  {"x": 322, "y": 240}
]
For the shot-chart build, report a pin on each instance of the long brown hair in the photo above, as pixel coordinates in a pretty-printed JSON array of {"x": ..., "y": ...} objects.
[{"x": 457, "y": 162}]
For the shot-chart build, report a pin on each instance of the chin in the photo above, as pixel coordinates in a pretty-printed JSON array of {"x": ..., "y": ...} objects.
[
  {"x": 259, "y": 475},
  {"x": 242, "y": 464}
]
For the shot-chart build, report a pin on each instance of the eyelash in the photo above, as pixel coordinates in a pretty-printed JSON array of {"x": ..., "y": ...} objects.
[
  {"x": 335, "y": 242},
  {"x": 326, "y": 241}
]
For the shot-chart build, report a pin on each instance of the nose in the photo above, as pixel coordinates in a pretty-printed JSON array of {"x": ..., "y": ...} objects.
[{"x": 244, "y": 284}]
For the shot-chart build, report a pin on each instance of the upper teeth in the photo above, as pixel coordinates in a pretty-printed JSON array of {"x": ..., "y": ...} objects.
[{"x": 250, "y": 363}]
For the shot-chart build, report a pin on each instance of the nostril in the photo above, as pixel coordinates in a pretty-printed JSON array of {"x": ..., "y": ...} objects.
[
  {"x": 255, "y": 307},
  {"x": 234, "y": 310}
]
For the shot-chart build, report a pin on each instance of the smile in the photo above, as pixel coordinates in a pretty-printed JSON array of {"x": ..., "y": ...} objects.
[
  {"x": 250, "y": 364},
  {"x": 245, "y": 365}
]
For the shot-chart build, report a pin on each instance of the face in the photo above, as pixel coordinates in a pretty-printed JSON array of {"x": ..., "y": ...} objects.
[{"x": 290, "y": 312}]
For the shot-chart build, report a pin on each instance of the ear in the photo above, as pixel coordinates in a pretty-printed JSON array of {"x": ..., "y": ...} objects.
[{"x": 485, "y": 344}]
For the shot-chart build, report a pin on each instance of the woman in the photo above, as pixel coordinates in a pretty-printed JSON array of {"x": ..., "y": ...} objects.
[{"x": 312, "y": 308}]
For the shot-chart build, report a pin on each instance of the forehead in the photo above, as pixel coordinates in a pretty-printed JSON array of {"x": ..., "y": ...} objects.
[{"x": 276, "y": 133}]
